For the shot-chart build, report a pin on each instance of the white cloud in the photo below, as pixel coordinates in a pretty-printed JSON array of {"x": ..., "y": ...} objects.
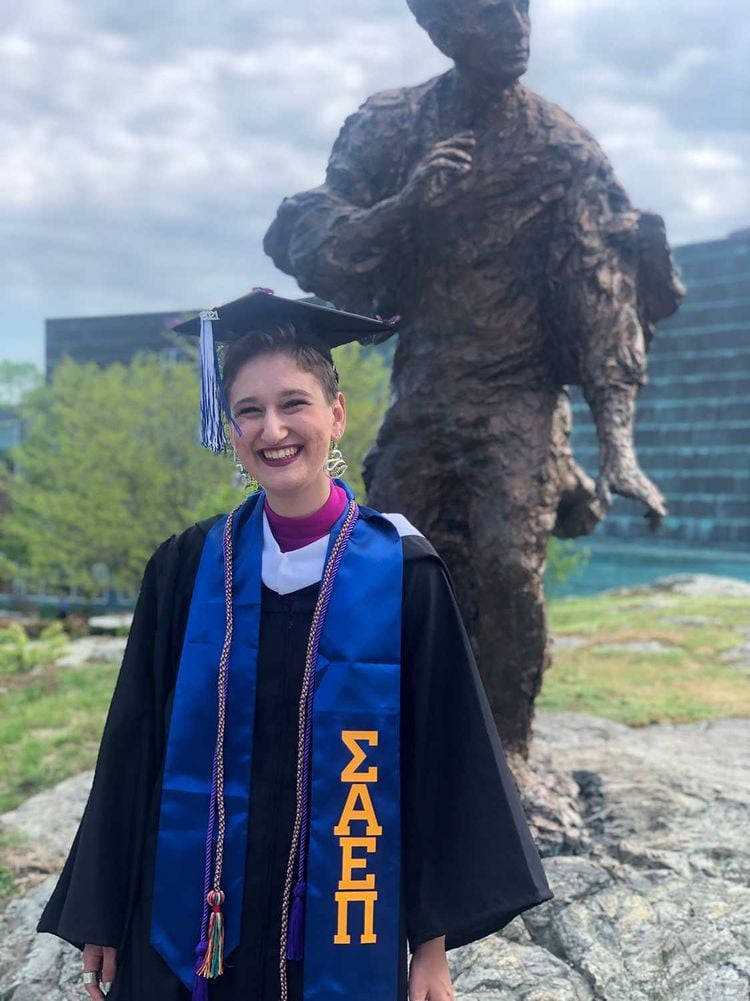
[{"x": 145, "y": 149}]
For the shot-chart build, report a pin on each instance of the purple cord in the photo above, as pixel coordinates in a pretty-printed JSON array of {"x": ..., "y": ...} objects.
[{"x": 209, "y": 853}]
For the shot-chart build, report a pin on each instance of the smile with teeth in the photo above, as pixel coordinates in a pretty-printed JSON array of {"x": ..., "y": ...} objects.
[{"x": 280, "y": 453}]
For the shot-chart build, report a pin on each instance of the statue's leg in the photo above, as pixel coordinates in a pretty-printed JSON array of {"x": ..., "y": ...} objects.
[
  {"x": 513, "y": 495},
  {"x": 486, "y": 495}
]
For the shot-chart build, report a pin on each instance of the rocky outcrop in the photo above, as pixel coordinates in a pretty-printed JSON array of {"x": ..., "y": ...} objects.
[
  {"x": 700, "y": 584},
  {"x": 647, "y": 852},
  {"x": 94, "y": 649},
  {"x": 50, "y": 819},
  {"x": 40, "y": 967},
  {"x": 655, "y": 904},
  {"x": 36, "y": 967}
]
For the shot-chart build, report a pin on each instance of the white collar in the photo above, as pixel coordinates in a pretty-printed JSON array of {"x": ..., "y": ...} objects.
[{"x": 286, "y": 572}]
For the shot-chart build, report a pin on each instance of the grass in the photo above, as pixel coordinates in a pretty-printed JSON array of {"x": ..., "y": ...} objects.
[
  {"x": 50, "y": 727},
  {"x": 51, "y": 721},
  {"x": 685, "y": 683}
]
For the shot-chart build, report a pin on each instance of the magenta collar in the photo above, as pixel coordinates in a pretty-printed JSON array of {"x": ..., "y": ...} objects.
[{"x": 294, "y": 533}]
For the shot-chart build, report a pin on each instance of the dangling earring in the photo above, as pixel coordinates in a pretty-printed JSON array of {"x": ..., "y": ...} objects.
[
  {"x": 336, "y": 464},
  {"x": 242, "y": 478}
]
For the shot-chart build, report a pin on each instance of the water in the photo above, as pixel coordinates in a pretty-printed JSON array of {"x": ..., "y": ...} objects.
[{"x": 618, "y": 565}]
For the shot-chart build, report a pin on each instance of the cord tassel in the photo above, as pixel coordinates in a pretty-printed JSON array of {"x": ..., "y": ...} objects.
[
  {"x": 295, "y": 941},
  {"x": 213, "y": 961},
  {"x": 200, "y": 984},
  {"x": 212, "y": 426}
]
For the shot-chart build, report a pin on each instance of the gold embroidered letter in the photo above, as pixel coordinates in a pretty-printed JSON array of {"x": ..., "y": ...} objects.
[
  {"x": 358, "y": 792},
  {"x": 350, "y": 738},
  {"x": 350, "y": 862},
  {"x": 368, "y": 898}
]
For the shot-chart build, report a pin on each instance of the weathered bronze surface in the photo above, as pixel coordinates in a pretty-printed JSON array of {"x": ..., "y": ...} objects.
[{"x": 494, "y": 225}]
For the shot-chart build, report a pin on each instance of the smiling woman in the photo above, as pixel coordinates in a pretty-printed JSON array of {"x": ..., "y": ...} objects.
[
  {"x": 299, "y": 778},
  {"x": 287, "y": 411}
]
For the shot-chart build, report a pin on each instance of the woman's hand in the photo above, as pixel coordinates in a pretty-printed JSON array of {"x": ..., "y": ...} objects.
[
  {"x": 429, "y": 976},
  {"x": 102, "y": 960}
]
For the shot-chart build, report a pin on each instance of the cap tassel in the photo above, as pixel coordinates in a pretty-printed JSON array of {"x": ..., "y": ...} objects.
[
  {"x": 212, "y": 427},
  {"x": 295, "y": 941}
]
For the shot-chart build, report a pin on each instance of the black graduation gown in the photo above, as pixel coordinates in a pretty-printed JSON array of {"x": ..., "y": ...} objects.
[{"x": 469, "y": 864}]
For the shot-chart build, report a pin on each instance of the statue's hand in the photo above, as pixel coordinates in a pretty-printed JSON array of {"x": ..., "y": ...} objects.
[
  {"x": 579, "y": 510},
  {"x": 433, "y": 180},
  {"x": 621, "y": 473}
]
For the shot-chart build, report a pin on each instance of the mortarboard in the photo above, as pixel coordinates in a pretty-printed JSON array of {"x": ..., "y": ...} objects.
[{"x": 321, "y": 327}]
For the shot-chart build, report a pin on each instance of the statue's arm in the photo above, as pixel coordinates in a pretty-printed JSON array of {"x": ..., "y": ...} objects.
[
  {"x": 339, "y": 240},
  {"x": 336, "y": 249},
  {"x": 596, "y": 306},
  {"x": 606, "y": 322},
  {"x": 346, "y": 240}
]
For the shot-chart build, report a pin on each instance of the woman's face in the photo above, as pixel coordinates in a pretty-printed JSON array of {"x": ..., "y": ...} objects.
[{"x": 287, "y": 425}]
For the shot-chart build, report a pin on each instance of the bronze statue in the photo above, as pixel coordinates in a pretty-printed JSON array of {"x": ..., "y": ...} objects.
[{"x": 494, "y": 225}]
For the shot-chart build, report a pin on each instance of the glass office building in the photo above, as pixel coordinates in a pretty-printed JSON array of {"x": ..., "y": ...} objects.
[{"x": 692, "y": 433}]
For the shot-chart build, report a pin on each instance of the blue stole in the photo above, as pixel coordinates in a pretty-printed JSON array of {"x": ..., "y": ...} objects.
[{"x": 354, "y": 851}]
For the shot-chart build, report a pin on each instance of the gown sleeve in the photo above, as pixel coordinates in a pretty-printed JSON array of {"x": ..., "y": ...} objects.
[
  {"x": 470, "y": 862},
  {"x": 90, "y": 902}
]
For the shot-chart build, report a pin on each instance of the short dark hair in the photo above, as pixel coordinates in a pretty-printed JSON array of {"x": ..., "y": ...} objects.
[{"x": 279, "y": 339}]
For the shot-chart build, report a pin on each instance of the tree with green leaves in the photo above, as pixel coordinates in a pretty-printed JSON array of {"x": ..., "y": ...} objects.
[
  {"x": 17, "y": 378},
  {"x": 363, "y": 378},
  {"x": 111, "y": 465}
]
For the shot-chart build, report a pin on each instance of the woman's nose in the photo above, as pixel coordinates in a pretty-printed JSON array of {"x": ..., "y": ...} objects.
[{"x": 274, "y": 430}]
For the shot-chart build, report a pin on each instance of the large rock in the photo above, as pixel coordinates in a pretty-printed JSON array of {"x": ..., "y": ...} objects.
[
  {"x": 700, "y": 584},
  {"x": 36, "y": 967},
  {"x": 646, "y": 837},
  {"x": 49, "y": 819},
  {"x": 659, "y": 907},
  {"x": 94, "y": 649},
  {"x": 113, "y": 623}
]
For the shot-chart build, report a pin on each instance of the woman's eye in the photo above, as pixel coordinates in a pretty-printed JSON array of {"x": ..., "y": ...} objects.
[{"x": 250, "y": 411}]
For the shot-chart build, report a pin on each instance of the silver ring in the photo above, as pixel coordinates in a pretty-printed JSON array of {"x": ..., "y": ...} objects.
[
  {"x": 91, "y": 977},
  {"x": 106, "y": 986}
]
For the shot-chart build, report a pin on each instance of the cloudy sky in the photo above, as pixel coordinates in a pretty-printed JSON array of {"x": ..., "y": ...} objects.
[{"x": 145, "y": 146}]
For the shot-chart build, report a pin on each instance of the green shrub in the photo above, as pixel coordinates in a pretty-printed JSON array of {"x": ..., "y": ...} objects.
[
  {"x": 19, "y": 653},
  {"x": 564, "y": 558}
]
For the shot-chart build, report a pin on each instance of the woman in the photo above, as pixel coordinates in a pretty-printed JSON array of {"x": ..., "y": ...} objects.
[{"x": 299, "y": 774}]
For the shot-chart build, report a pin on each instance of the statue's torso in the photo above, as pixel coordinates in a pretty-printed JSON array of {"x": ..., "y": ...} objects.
[{"x": 475, "y": 273}]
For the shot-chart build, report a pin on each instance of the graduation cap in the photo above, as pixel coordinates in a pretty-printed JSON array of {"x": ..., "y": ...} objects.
[{"x": 321, "y": 327}]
